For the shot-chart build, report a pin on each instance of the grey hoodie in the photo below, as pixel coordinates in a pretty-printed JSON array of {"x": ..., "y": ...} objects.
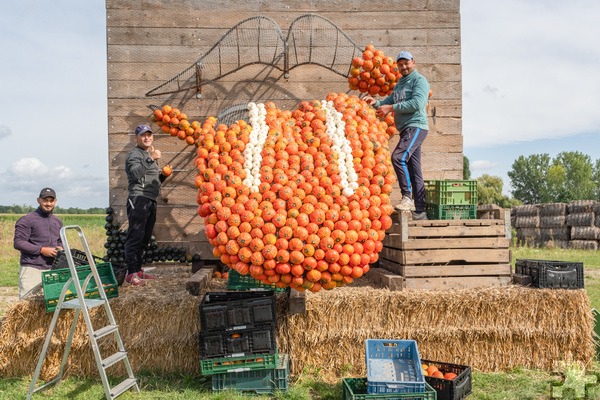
[{"x": 143, "y": 176}]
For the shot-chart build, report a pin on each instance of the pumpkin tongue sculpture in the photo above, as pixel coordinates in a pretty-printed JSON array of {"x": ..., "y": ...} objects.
[{"x": 294, "y": 198}]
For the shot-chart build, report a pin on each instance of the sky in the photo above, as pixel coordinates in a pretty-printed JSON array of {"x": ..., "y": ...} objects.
[{"x": 530, "y": 70}]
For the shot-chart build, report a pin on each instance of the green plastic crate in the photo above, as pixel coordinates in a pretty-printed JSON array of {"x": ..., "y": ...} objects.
[
  {"x": 356, "y": 389},
  {"x": 436, "y": 211},
  {"x": 263, "y": 381},
  {"x": 450, "y": 192},
  {"x": 211, "y": 366},
  {"x": 237, "y": 281},
  {"x": 54, "y": 280}
]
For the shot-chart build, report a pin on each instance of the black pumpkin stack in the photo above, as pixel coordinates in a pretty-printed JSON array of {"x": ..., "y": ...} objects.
[{"x": 115, "y": 247}]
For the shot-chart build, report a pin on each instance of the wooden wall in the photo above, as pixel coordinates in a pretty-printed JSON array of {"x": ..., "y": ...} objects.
[{"x": 151, "y": 41}]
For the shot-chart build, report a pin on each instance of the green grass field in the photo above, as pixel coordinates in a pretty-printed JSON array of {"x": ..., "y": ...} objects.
[{"x": 520, "y": 384}]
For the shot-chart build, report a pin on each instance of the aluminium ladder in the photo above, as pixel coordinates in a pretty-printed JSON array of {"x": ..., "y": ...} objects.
[{"x": 81, "y": 305}]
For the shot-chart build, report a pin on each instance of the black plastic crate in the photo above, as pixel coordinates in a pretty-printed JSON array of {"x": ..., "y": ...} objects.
[
  {"x": 552, "y": 274},
  {"x": 456, "y": 389},
  {"x": 79, "y": 259},
  {"x": 227, "y": 311},
  {"x": 238, "y": 343}
]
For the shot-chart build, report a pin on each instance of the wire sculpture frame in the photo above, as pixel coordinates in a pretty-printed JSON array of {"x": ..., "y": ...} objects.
[{"x": 311, "y": 39}]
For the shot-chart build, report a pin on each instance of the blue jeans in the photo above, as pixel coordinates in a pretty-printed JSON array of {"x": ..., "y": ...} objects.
[{"x": 406, "y": 159}]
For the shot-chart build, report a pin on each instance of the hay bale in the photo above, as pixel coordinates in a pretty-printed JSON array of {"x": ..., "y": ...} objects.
[
  {"x": 580, "y": 219},
  {"x": 553, "y": 209},
  {"x": 552, "y": 221},
  {"x": 158, "y": 322},
  {"x": 554, "y": 234},
  {"x": 526, "y": 210},
  {"x": 490, "y": 329},
  {"x": 581, "y": 206},
  {"x": 583, "y": 245}
]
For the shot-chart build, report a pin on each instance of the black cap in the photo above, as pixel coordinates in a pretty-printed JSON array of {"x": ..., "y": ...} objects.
[{"x": 47, "y": 192}]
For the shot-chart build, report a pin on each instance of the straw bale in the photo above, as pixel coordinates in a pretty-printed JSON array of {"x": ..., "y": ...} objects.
[
  {"x": 553, "y": 209},
  {"x": 159, "y": 324},
  {"x": 581, "y": 206},
  {"x": 526, "y": 210},
  {"x": 490, "y": 329}
]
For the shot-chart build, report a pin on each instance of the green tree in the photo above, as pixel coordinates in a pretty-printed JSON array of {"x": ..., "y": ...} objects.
[
  {"x": 597, "y": 180},
  {"x": 578, "y": 182},
  {"x": 466, "y": 168},
  {"x": 489, "y": 191},
  {"x": 529, "y": 179}
]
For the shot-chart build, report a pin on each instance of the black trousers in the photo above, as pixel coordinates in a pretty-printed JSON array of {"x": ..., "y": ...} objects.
[{"x": 141, "y": 214}]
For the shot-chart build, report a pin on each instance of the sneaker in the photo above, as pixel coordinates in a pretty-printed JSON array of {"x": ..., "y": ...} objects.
[
  {"x": 144, "y": 275},
  {"x": 134, "y": 280},
  {"x": 421, "y": 216},
  {"x": 406, "y": 204}
]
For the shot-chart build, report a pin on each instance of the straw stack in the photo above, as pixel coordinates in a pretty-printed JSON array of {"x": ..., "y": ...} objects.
[{"x": 490, "y": 329}]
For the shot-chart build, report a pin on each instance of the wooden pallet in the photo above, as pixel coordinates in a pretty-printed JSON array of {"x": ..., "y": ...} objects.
[{"x": 447, "y": 254}]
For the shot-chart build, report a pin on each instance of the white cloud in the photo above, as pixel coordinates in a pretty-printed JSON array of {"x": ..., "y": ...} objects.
[
  {"x": 22, "y": 181},
  {"x": 482, "y": 165}
]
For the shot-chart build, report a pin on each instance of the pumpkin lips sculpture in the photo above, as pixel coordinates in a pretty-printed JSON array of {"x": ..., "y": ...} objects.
[{"x": 294, "y": 198}]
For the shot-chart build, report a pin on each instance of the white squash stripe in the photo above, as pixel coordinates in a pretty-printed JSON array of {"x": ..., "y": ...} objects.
[
  {"x": 256, "y": 142},
  {"x": 336, "y": 129}
]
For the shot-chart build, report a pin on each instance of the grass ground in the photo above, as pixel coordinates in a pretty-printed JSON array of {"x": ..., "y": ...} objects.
[{"x": 519, "y": 384}]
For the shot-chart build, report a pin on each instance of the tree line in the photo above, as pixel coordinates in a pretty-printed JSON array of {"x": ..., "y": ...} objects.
[
  {"x": 539, "y": 178},
  {"x": 24, "y": 209}
]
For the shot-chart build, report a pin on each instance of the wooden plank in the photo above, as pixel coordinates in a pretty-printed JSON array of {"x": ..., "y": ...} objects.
[
  {"x": 206, "y": 37},
  {"x": 445, "y": 256},
  {"x": 411, "y": 271},
  {"x": 345, "y": 20},
  {"x": 220, "y": 5},
  {"x": 448, "y": 283},
  {"x": 188, "y": 54},
  {"x": 157, "y": 73},
  {"x": 395, "y": 241},
  {"x": 302, "y": 85},
  {"x": 451, "y": 228},
  {"x": 198, "y": 281}
]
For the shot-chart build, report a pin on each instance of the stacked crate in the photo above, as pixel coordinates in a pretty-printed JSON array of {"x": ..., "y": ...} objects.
[
  {"x": 393, "y": 372},
  {"x": 451, "y": 199},
  {"x": 441, "y": 255},
  {"x": 238, "y": 342}
]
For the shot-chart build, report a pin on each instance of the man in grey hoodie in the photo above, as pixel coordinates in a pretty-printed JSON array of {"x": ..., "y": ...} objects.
[
  {"x": 144, "y": 181},
  {"x": 37, "y": 237}
]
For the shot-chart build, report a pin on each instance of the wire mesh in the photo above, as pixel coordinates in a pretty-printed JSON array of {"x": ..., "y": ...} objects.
[
  {"x": 255, "y": 40},
  {"x": 311, "y": 39}
]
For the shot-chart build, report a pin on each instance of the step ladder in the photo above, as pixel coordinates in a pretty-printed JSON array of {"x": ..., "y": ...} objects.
[{"x": 81, "y": 306}]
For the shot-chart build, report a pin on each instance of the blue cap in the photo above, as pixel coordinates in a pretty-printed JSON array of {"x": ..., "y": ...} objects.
[
  {"x": 404, "y": 54},
  {"x": 142, "y": 129}
]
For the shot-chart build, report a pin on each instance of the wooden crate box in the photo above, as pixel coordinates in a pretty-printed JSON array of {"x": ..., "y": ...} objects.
[{"x": 448, "y": 254}]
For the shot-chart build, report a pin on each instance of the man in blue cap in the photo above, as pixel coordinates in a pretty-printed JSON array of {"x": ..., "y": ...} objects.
[
  {"x": 37, "y": 237},
  {"x": 408, "y": 101},
  {"x": 144, "y": 180}
]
